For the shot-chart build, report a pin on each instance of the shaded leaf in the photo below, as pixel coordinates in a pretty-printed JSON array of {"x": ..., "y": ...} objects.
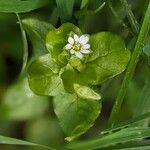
[
  {"x": 84, "y": 3},
  {"x": 143, "y": 103},
  {"x": 146, "y": 50},
  {"x": 20, "y": 103},
  {"x": 37, "y": 31}
]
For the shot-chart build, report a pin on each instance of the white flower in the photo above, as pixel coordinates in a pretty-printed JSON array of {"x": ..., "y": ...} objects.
[{"x": 78, "y": 45}]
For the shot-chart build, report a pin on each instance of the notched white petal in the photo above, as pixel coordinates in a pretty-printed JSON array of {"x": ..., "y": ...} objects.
[
  {"x": 76, "y": 38},
  {"x": 71, "y": 40},
  {"x": 68, "y": 46},
  {"x": 86, "y": 39},
  {"x": 83, "y": 39},
  {"x": 85, "y": 51},
  {"x": 79, "y": 55},
  {"x": 86, "y": 46}
]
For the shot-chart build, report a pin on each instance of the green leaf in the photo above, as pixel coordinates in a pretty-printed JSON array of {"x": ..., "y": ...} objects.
[
  {"x": 105, "y": 43},
  {"x": 37, "y": 31},
  {"x": 69, "y": 78},
  {"x": 122, "y": 136},
  {"x": 65, "y": 9},
  {"x": 13, "y": 141},
  {"x": 57, "y": 38},
  {"x": 86, "y": 92},
  {"x": 143, "y": 103},
  {"x": 43, "y": 76},
  {"x": 21, "y": 6},
  {"x": 109, "y": 58},
  {"x": 84, "y": 3},
  {"x": 20, "y": 103},
  {"x": 76, "y": 115},
  {"x": 146, "y": 50}
]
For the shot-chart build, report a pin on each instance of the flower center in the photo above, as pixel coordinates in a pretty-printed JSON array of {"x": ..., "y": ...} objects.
[{"x": 76, "y": 47}]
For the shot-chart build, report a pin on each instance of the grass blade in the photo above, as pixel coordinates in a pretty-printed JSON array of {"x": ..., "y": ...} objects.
[
  {"x": 122, "y": 136},
  {"x": 131, "y": 67},
  {"x": 20, "y": 6},
  {"x": 13, "y": 141},
  {"x": 127, "y": 123},
  {"x": 115, "y": 14},
  {"x": 131, "y": 17},
  {"x": 65, "y": 8}
]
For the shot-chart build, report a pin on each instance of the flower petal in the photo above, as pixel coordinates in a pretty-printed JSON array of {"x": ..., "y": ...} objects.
[
  {"x": 79, "y": 55},
  {"x": 72, "y": 51},
  {"x": 84, "y": 51},
  {"x": 76, "y": 38},
  {"x": 68, "y": 46},
  {"x": 83, "y": 39},
  {"x": 86, "y": 46},
  {"x": 71, "y": 40}
]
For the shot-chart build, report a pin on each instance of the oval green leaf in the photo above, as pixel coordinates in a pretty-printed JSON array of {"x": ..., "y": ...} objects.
[
  {"x": 104, "y": 43},
  {"x": 43, "y": 76},
  {"x": 76, "y": 115},
  {"x": 86, "y": 92},
  {"x": 109, "y": 58},
  {"x": 37, "y": 31}
]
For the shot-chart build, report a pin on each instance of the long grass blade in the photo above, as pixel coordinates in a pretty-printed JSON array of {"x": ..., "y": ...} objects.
[{"x": 13, "y": 141}]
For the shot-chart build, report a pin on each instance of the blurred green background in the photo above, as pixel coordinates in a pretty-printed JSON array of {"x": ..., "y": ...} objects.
[{"x": 26, "y": 116}]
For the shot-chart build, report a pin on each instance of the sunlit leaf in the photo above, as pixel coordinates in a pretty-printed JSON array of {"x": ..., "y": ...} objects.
[
  {"x": 76, "y": 115},
  {"x": 43, "y": 76},
  {"x": 109, "y": 58},
  {"x": 86, "y": 92}
]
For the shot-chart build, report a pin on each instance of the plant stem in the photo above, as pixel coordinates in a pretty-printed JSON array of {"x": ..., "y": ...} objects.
[
  {"x": 25, "y": 46},
  {"x": 131, "y": 67},
  {"x": 131, "y": 17}
]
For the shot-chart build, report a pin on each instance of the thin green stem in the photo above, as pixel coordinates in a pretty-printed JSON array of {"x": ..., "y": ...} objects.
[
  {"x": 25, "y": 46},
  {"x": 131, "y": 67},
  {"x": 131, "y": 17}
]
